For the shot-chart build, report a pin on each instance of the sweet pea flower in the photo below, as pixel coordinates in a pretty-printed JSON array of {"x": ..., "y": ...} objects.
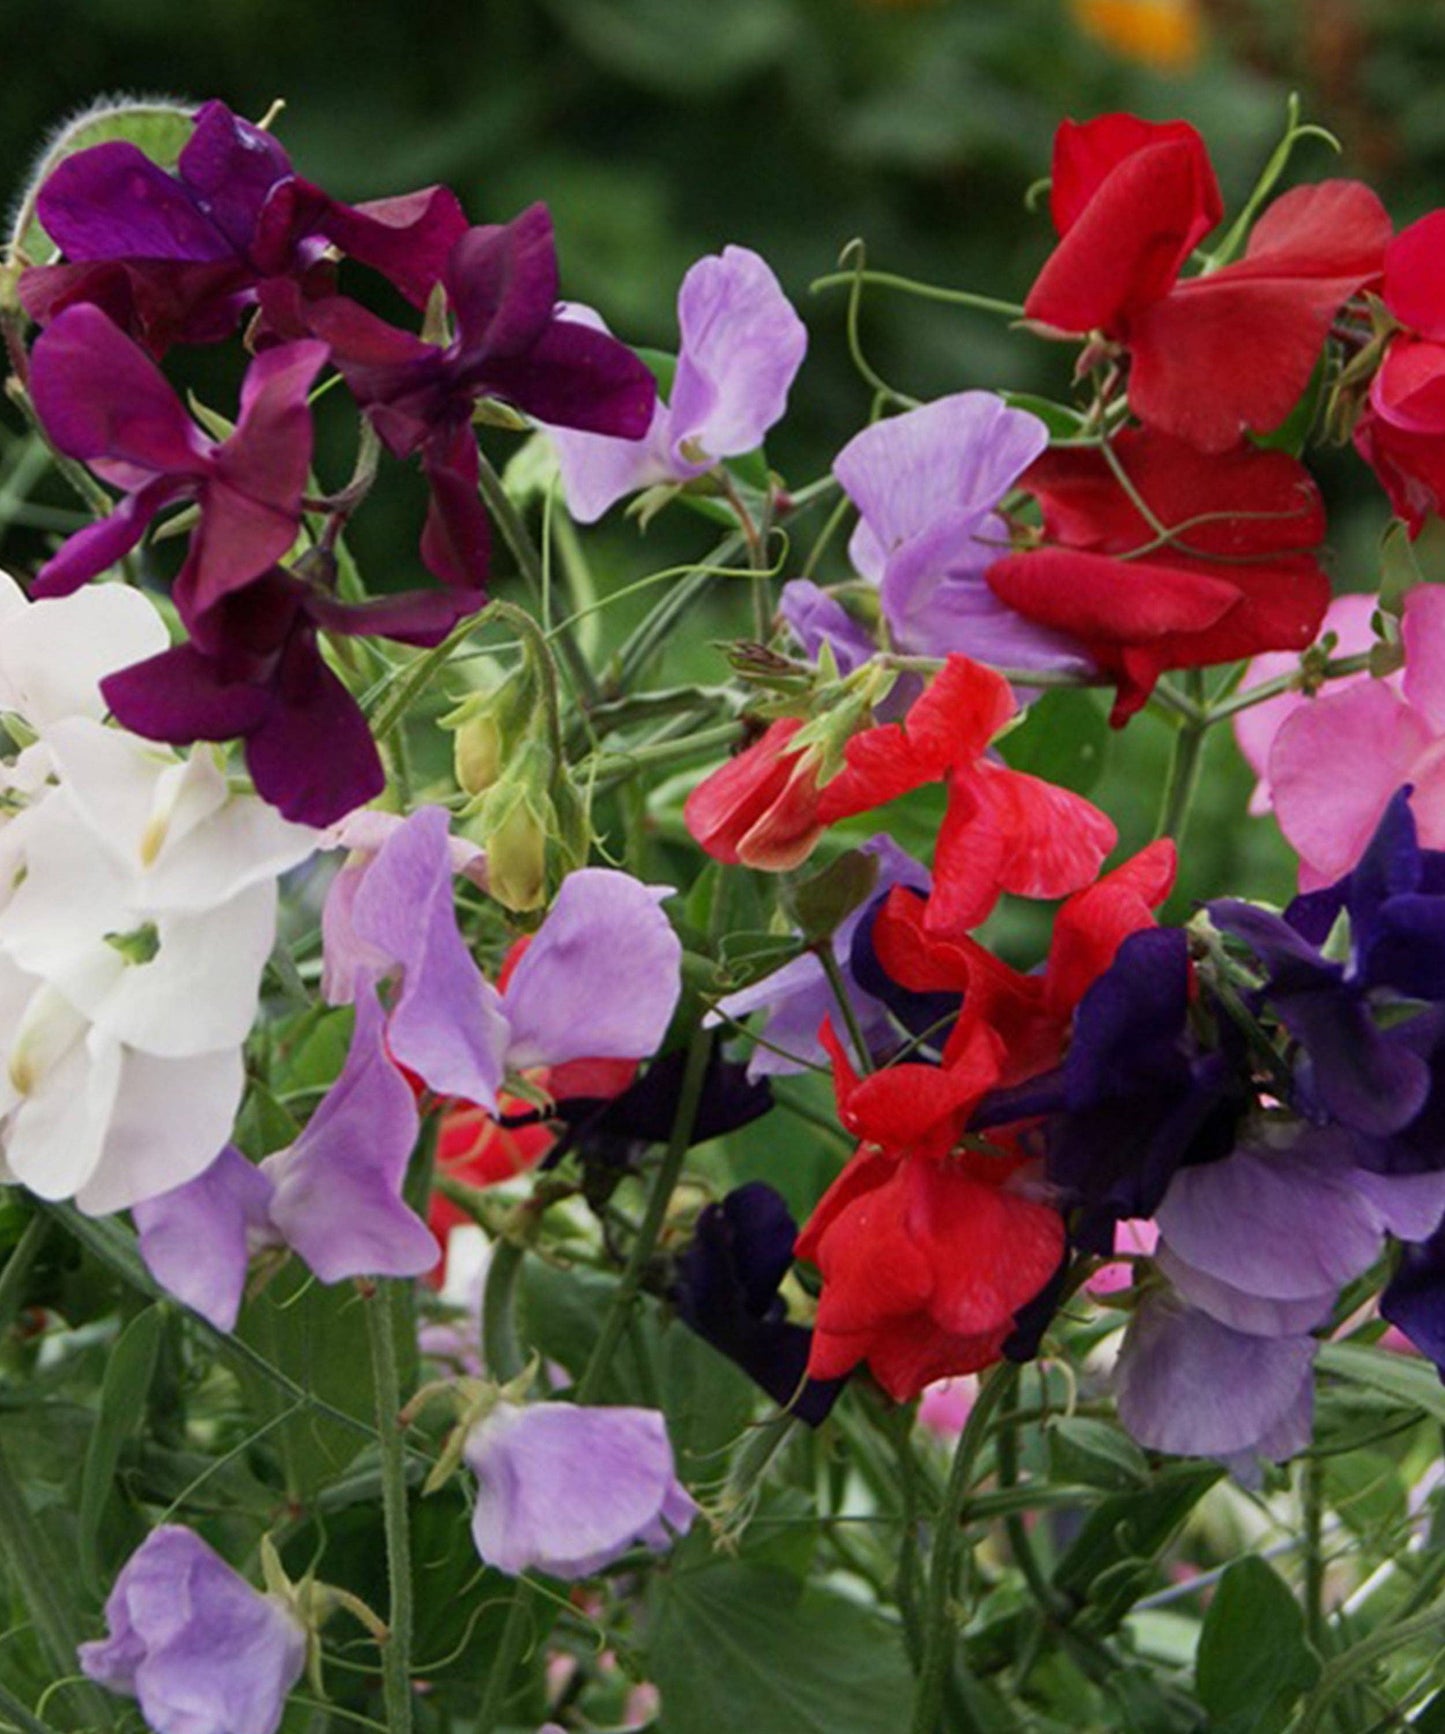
[
  {"x": 1338, "y": 759},
  {"x": 741, "y": 347},
  {"x": 1230, "y": 350},
  {"x": 180, "y": 257},
  {"x": 566, "y": 1490},
  {"x": 927, "y": 485},
  {"x": 189, "y": 1639}
]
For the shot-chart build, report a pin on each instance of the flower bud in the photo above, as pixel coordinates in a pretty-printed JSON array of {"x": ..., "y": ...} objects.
[
  {"x": 512, "y": 821},
  {"x": 492, "y": 725}
]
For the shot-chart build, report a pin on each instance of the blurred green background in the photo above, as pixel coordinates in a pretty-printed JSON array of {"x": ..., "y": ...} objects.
[{"x": 658, "y": 130}]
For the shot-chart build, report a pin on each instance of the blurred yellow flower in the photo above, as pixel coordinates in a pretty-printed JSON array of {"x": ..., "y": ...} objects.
[{"x": 1166, "y": 34}]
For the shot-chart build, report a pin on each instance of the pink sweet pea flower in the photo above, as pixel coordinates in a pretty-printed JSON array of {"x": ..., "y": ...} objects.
[{"x": 1338, "y": 759}]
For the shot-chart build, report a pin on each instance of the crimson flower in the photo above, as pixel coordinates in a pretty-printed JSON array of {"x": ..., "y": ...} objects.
[
  {"x": 760, "y": 809},
  {"x": 1221, "y": 567},
  {"x": 1222, "y": 353}
]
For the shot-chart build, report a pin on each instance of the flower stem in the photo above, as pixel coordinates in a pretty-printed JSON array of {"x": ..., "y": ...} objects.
[
  {"x": 505, "y": 1658},
  {"x": 1184, "y": 765},
  {"x": 938, "y": 1632},
  {"x": 1312, "y": 1493},
  {"x": 396, "y": 1655}
]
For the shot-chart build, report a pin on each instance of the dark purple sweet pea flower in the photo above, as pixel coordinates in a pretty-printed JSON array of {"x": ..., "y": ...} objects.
[
  {"x": 725, "y": 1287},
  {"x": 927, "y": 485},
  {"x": 1414, "y": 1298},
  {"x": 180, "y": 257},
  {"x": 103, "y": 401},
  {"x": 198, "y": 1239},
  {"x": 1371, "y": 1078},
  {"x": 511, "y": 342},
  {"x": 799, "y": 997},
  {"x": 741, "y": 345},
  {"x": 1189, "y": 1385},
  {"x": 198, "y": 1649},
  {"x": 566, "y": 1490},
  {"x": 253, "y": 670},
  {"x": 1137, "y": 1097}
]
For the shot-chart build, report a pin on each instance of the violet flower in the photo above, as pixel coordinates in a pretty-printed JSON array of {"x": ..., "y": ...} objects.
[
  {"x": 566, "y": 1490},
  {"x": 927, "y": 485},
  {"x": 103, "y": 401},
  {"x": 189, "y": 1639},
  {"x": 253, "y": 669},
  {"x": 180, "y": 257},
  {"x": 725, "y": 1287},
  {"x": 511, "y": 342},
  {"x": 740, "y": 350}
]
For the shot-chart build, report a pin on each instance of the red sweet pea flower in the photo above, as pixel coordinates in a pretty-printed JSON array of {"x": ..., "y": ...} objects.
[
  {"x": 1003, "y": 830},
  {"x": 925, "y": 1265},
  {"x": 1234, "y": 575},
  {"x": 1214, "y": 355},
  {"x": 760, "y": 808}
]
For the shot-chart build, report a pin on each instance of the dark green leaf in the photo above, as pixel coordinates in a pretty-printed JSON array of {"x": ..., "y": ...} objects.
[
  {"x": 1095, "y": 1454},
  {"x": 123, "y": 1393},
  {"x": 1412, "y": 1383},
  {"x": 1253, "y": 1659},
  {"x": 825, "y": 901},
  {"x": 1063, "y": 739}
]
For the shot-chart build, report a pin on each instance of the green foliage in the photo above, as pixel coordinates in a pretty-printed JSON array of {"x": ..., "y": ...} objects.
[{"x": 1253, "y": 1659}]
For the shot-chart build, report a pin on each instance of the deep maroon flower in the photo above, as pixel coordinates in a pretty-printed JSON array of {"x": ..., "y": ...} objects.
[
  {"x": 103, "y": 401},
  {"x": 179, "y": 258},
  {"x": 510, "y": 342},
  {"x": 253, "y": 670}
]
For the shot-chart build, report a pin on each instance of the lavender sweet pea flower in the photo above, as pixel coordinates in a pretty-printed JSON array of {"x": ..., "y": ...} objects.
[
  {"x": 799, "y": 996},
  {"x": 566, "y": 1490},
  {"x": 181, "y": 257},
  {"x": 741, "y": 347},
  {"x": 253, "y": 670},
  {"x": 198, "y": 1649},
  {"x": 103, "y": 401},
  {"x": 599, "y": 980},
  {"x": 927, "y": 485},
  {"x": 815, "y": 619},
  {"x": 197, "y": 1240}
]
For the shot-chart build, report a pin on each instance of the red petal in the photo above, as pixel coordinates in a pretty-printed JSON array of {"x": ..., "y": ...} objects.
[
  {"x": 1103, "y": 600},
  {"x": 1415, "y": 276},
  {"x": 1095, "y": 922}
]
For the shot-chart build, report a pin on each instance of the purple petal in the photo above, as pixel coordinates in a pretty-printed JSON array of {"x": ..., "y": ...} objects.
[
  {"x": 574, "y": 376},
  {"x": 950, "y": 461},
  {"x": 197, "y": 1240},
  {"x": 1189, "y": 1385},
  {"x": 100, "y": 397},
  {"x": 312, "y": 756},
  {"x": 179, "y": 697},
  {"x": 112, "y": 201},
  {"x": 407, "y": 238},
  {"x": 456, "y": 544},
  {"x": 501, "y": 280},
  {"x": 229, "y": 167},
  {"x": 1410, "y": 1206},
  {"x": 447, "y": 1025},
  {"x": 99, "y": 546},
  {"x": 815, "y": 619},
  {"x": 338, "y": 1196},
  {"x": 1255, "y": 1315},
  {"x": 566, "y": 1490},
  {"x": 157, "y": 302},
  {"x": 419, "y": 617},
  {"x": 601, "y": 978},
  {"x": 742, "y": 346},
  {"x": 201, "y": 1651}
]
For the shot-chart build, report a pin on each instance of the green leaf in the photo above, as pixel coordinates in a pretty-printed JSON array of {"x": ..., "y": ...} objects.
[
  {"x": 1412, "y": 1383},
  {"x": 123, "y": 1392},
  {"x": 1253, "y": 1660},
  {"x": 825, "y": 901},
  {"x": 1063, "y": 739},
  {"x": 1094, "y": 1454},
  {"x": 783, "y": 1659}
]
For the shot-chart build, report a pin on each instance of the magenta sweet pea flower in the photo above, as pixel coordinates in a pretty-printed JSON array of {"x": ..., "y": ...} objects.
[
  {"x": 512, "y": 341},
  {"x": 927, "y": 485},
  {"x": 180, "y": 257},
  {"x": 566, "y": 1490},
  {"x": 741, "y": 347},
  {"x": 198, "y": 1649},
  {"x": 103, "y": 401}
]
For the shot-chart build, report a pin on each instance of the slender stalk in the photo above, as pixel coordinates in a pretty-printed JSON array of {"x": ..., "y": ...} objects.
[
  {"x": 1184, "y": 767},
  {"x": 14, "y": 1714},
  {"x": 505, "y": 1658},
  {"x": 36, "y": 1573},
  {"x": 1335, "y": 669},
  {"x": 823, "y": 951},
  {"x": 614, "y": 1326},
  {"x": 396, "y": 1653},
  {"x": 1020, "y": 1545},
  {"x": 1312, "y": 1495},
  {"x": 501, "y": 1351},
  {"x": 924, "y": 291},
  {"x": 609, "y": 768},
  {"x": 18, "y": 1267},
  {"x": 938, "y": 1633}
]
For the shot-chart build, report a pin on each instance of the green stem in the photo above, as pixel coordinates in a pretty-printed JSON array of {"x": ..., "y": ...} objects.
[
  {"x": 609, "y": 768},
  {"x": 1344, "y": 1670},
  {"x": 1335, "y": 669},
  {"x": 1020, "y": 1546},
  {"x": 1312, "y": 1494},
  {"x": 1184, "y": 766},
  {"x": 529, "y": 564},
  {"x": 14, "y": 1714},
  {"x": 823, "y": 951},
  {"x": 501, "y": 1351},
  {"x": 505, "y": 1658},
  {"x": 395, "y": 1499},
  {"x": 614, "y": 1326},
  {"x": 18, "y": 1267},
  {"x": 938, "y": 1634},
  {"x": 924, "y": 291},
  {"x": 37, "y": 1574}
]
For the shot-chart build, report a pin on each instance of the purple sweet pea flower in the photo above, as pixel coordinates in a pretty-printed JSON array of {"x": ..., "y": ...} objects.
[
  {"x": 927, "y": 485},
  {"x": 815, "y": 618},
  {"x": 511, "y": 342},
  {"x": 741, "y": 347},
  {"x": 180, "y": 257},
  {"x": 566, "y": 1490},
  {"x": 191, "y": 1641},
  {"x": 334, "y": 1196},
  {"x": 253, "y": 669},
  {"x": 599, "y": 980},
  {"x": 103, "y": 401},
  {"x": 798, "y": 997}
]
